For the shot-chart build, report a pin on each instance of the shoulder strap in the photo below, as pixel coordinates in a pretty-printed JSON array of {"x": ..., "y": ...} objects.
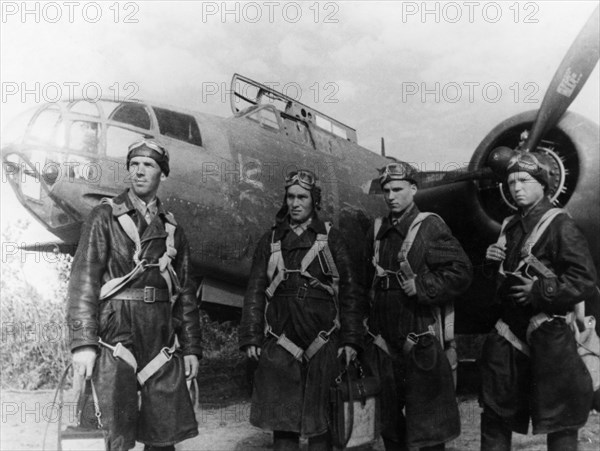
[
  {"x": 114, "y": 285},
  {"x": 330, "y": 262},
  {"x": 376, "y": 242},
  {"x": 319, "y": 244},
  {"x": 540, "y": 228},
  {"x": 165, "y": 263},
  {"x": 444, "y": 315},
  {"x": 527, "y": 257},
  {"x": 502, "y": 240},
  {"x": 413, "y": 230},
  {"x": 130, "y": 229},
  {"x": 275, "y": 257},
  {"x": 502, "y": 237}
]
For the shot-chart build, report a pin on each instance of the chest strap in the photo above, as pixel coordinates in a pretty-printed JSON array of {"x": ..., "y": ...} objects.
[
  {"x": 527, "y": 257},
  {"x": 277, "y": 272},
  {"x": 405, "y": 271},
  {"x": 164, "y": 263}
]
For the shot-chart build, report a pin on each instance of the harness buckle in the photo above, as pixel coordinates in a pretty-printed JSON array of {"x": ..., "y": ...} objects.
[
  {"x": 167, "y": 352},
  {"x": 324, "y": 335},
  {"x": 384, "y": 283},
  {"x": 286, "y": 273},
  {"x": 149, "y": 295},
  {"x": 302, "y": 293}
]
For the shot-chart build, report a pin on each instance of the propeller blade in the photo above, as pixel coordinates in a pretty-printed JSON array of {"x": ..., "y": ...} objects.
[{"x": 574, "y": 70}]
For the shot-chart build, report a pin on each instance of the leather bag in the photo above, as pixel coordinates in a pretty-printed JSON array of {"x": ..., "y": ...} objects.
[
  {"x": 355, "y": 409},
  {"x": 562, "y": 386}
]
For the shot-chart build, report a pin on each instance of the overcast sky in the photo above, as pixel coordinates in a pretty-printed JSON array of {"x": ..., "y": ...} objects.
[{"x": 432, "y": 78}]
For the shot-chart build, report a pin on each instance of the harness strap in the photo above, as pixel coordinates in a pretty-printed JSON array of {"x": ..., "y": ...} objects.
[
  {"x": 132, "y": 232},
  {"x": 275, "y": 264},
  {"x": 320, "y": 341},
  {"x": 413, "y": 230},
  {"x": 379, "y": 271},
  {"x": 164, "y": 263},
  {"x": 122, "y": 353},
  {"x": 157, "y": 362},
  {"x": 287, "y": 344},
  {"x": 527, "y": 258},
  {"x": 329, "y": 268},
  {"x": 505, "y": 332},
  {"x": 445, "y": 327},
  {"x": 116, "y": 284},
  {"x": 413, "y": 338},
  {"x": 577, "y": 315},
  {"x": 532, "y": 261},
  {"x": 378, "y": 340},
  {"x": 405, "y": 267}
]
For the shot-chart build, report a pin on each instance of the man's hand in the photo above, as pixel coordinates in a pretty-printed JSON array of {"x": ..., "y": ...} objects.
[
  {"x": 349, "y": 353},
  {"x": 191, "y": 366},
  {"x": 409, "y": 287},
  {"x": 253, "y": 352},
  {"x": 495, "y": 253},
  {"x": 83, "y": 361},
  {"x": 520, "y": 293}
]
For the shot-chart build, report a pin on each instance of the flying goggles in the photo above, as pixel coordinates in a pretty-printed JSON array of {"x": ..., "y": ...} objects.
[
  {"x": 306, "y": 179},
  {"x": 396, "y": 171},
  {"x": 151, "y": 144}
]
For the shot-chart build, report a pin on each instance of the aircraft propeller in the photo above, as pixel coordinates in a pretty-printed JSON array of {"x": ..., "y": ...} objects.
[{"x": 571, "y": 75}]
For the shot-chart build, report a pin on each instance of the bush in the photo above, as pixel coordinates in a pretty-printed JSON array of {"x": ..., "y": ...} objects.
[
  {"x": 219, "y": 340},
  {"x": 33, "y": 352}
]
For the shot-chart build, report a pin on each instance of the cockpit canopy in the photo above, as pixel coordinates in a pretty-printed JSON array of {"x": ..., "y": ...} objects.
[{"x": 103, "y": 128}]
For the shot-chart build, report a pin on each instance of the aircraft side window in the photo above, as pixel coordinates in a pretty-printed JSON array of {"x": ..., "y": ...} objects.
[
  {"x": 328, "y": 125},
  {"x": 47, "y": 128},
  {"x": 85, "y": 107},
  {"x": 178, "y": 126},
  {"x": 118, "y": 140},
  {"x": 83, "y": 136},
  {"x": 133, "y": 114}
]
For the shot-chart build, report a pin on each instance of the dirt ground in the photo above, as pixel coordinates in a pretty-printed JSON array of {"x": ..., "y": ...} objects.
[{"x": 222, "y": 412}]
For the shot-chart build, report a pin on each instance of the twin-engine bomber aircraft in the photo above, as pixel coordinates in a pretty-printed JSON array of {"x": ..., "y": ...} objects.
[{"x": 227, "y": 173}]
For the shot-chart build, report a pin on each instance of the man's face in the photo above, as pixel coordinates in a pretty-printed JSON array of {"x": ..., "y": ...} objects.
[
  {"x": 299, "y": 202},
  {"x": 399, "y": 194},
  {"x": 524, "y": 189},
  {"x": 146, "y": 176}
]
